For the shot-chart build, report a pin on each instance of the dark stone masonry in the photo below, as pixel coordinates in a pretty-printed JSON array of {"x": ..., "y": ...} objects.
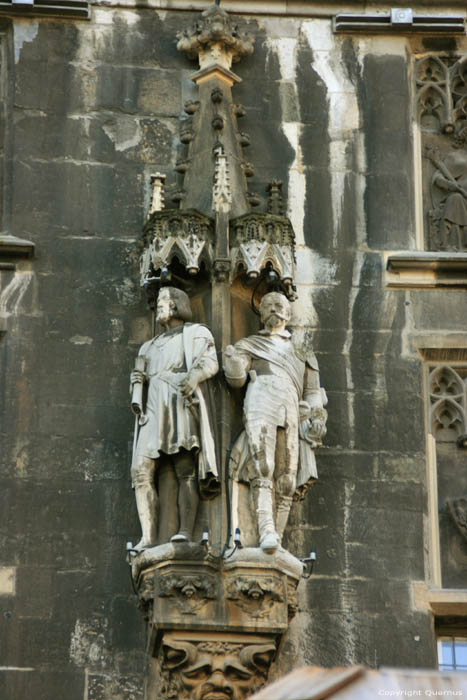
[{"x": 90, "y": 110}]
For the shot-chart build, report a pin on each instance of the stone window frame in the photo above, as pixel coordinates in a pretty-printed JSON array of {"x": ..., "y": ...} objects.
[{"x": 430, "y": 594}]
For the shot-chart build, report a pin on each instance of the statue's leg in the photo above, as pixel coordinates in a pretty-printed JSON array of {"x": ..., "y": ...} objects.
[
  {"x": 188, "y": 497},
  {"x": 286, "y": 475},
  {"x": 262, "y": 442},
  {"x": 142, "y": 473},
  {"x": 261, "y": 494}
]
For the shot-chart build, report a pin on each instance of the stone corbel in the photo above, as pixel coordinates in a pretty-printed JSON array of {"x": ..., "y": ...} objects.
[
  {"x": 221, "y": 269},
  {"x": 221, "y": 664}
]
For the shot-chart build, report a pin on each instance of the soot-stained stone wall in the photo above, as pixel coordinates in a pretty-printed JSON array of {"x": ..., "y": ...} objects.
[{"x": 95, "y": 110}]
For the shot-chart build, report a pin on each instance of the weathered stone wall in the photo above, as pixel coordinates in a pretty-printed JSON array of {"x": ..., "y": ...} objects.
[{"x": 94, "y": 110}]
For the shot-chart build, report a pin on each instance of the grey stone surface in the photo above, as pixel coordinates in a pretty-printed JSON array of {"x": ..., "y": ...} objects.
[{"x": 95, "y": 112}]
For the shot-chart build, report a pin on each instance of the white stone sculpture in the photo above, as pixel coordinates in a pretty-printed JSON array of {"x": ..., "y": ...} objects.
[
  {"x": 174, "y": 424},
  {"x": 284, "y": 417}
]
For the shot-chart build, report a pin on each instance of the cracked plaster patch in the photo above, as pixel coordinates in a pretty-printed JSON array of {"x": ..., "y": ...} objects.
[
  {"x": 25, "y": 30},
  {"x": 124, "y": 132},
  {"x": 88, "y": 644}
]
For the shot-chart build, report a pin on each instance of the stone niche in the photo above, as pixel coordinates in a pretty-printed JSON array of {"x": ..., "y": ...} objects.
[{"x": 447, "y": 388}]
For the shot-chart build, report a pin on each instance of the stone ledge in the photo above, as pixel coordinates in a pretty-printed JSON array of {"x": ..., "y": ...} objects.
[
  {"x": 12, "y": 246},
  {"x": 440, "y": 601},
  {"x": 425, "y": 269},
  {"x": 288, "y": 8},
  {"x": 78, "y": 9}
]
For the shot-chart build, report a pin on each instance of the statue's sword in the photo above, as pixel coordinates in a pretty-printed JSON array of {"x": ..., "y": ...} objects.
[{"x": 137, "y": 403}]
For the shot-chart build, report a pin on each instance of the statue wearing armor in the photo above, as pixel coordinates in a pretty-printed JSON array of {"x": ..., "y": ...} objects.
[{"x": 283, "y": 415}]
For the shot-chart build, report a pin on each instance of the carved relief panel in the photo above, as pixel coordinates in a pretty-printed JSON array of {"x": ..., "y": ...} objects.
[{"x": 441, "y": 84}]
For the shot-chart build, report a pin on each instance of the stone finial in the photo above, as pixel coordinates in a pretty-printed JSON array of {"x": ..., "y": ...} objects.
[
  {"x": 222, "y": 196},
  {"x": 157, "y": 201},
  {"x": 214, "y": 38},
  {"x": 275, "y": 200}
]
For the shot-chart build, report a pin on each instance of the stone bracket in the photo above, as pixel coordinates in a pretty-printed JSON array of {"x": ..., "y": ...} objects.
[{"x": 188, "y": 588}]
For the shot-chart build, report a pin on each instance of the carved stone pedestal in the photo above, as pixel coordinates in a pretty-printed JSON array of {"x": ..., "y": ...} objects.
[{"x": 214, "y": 624}]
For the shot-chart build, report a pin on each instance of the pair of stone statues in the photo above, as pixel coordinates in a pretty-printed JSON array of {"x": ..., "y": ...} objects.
[{"x": 283, "y": 414}]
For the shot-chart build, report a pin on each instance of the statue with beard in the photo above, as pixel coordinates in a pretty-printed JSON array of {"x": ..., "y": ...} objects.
[{"x": 283, "y": 415}]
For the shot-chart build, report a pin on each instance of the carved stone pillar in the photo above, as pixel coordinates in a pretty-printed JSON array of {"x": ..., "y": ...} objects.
[{"x": 216, "y": 611}]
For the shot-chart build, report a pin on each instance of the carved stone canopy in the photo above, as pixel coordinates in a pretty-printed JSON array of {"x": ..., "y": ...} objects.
[
  {"x": 215, "y": 224},
  {"x": 187, "y": 235},
  {"x": 262, "y": 238}
]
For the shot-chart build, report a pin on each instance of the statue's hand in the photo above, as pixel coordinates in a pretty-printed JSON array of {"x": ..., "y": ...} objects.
[
  {"x": 233, "y": 362},
  {"x": 137, "y": 376},
  {"x": 313, "y": 429},
  {"x": 318, "y": 429},
  {"x": 304, "y": 410},
  {"x": 304, "y": 432},
  {"x": 188, "y": 385}
]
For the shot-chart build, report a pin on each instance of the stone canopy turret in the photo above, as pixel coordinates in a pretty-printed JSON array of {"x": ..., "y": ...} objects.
[
  {"x": 217, "y": 43},
  {"x": 215, "y": 176}
]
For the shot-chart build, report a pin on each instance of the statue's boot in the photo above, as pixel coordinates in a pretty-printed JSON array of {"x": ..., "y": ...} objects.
[
  {"x": 261, "y": 490},
  {"x": 146, "y": 504},
  {"x": 283, "y": 505},
  {"x": 188, "y": 500}
]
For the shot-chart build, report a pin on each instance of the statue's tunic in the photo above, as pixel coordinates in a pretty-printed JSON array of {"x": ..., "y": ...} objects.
[{"x": 171, "y": 421}]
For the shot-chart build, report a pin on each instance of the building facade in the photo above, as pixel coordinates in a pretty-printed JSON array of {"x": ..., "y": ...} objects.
[{"x": 361, "y": 113}]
